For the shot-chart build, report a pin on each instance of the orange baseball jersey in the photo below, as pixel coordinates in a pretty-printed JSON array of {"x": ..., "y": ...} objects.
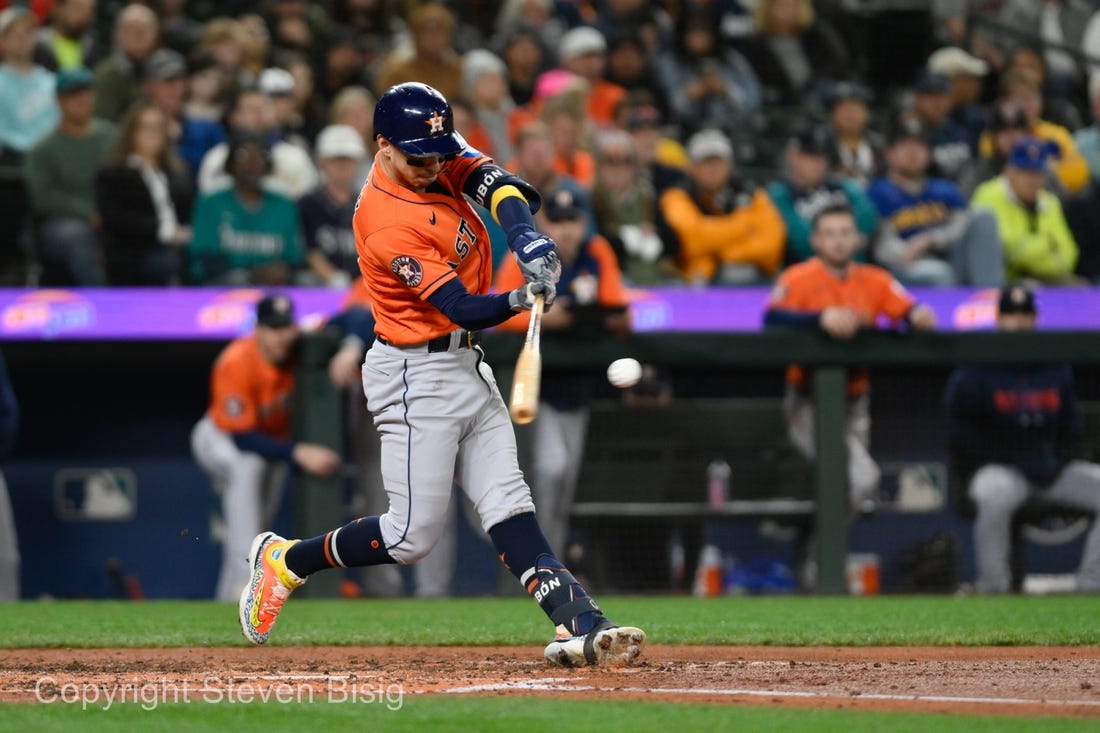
[
  {"x": 249, "y": 393},
  {"x": 595, "y": 261},
  {"x": 411, "y": 243},
  {"x": 868, "y": 290}
]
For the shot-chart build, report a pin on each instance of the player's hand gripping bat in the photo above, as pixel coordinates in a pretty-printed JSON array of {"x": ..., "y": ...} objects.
[{"x": 525, "y": 382}]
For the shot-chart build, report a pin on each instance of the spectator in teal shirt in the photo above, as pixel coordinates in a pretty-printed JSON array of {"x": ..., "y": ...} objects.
[
  {"x": 808, "y": 188},
  {"x": 245, "y": 235}
]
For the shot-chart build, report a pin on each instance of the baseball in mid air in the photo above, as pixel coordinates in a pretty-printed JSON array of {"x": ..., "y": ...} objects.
[{"x": 624, "y": 373}]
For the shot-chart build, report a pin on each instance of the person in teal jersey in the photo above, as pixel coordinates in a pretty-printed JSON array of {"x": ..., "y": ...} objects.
[
  {"x": 246, "y": 235},
  {"x": 28, "y": 107}
]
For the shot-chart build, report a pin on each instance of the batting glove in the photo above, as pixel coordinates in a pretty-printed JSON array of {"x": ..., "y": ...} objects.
[
  {"x": 523, "y": 297},
  {"x": 536, "y": 254}
]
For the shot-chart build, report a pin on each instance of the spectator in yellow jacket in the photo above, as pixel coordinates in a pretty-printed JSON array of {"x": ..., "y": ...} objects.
[
  {"x": 1020, "y": 91},
  {"x": 727, "y": 231},
  {"x": 1037, "y": 241}
]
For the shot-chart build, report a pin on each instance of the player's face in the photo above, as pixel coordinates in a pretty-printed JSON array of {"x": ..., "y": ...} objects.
[
  {"x": 908, "y": 157},
  {"x": 275, "y": 344},
  {"x": 410, "y": 172},
  {"x": 835, "y": 239}
]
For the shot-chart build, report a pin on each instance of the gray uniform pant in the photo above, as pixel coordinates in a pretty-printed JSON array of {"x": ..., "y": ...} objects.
[
  {"x": 9, "y": 548},
  {"x": 442, "y": 421},
  {"x": 251, "y": 488},
  {"x": 999, "y": 490},
  {"x": 558, "y": 452},
  {"x": 863, "y": 472}
]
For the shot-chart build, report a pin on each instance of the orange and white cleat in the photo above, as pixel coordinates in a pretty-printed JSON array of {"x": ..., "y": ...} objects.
[{"x": 268, "y": 588}]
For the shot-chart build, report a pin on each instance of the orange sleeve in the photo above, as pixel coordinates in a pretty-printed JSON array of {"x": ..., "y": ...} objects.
[
  {"x": 507, "y": 279},
  {"x": 417, "y": 264},
  {"x": 894, "y": 301},
  {"x": 787, "y": 295},
  {"x": 233, "y": 403}
]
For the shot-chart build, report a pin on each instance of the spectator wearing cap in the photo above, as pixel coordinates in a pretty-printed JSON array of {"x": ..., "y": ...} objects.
[
  {"x": 485, "y": 84},
  {"x": 966, "y": 73},
  {"x": 727, "y": 231},
  {"x": 583, "y": 51},
  {"x": 807, "y": 188},
  {"x": 292, "y": 172},
  {"x": 1020, "y": 91},
  {"x": 707, "y": 84},
  {"x": 118, "y": 77},
  {"x": 928, "y": 236},
  {"x": 659, "y": 157},
  {"x": 60, "y": 171},
  {"x": 591, "y": 305},
  {"x": 278, "y": 84},
  {"x": 1087, "y": 139},
  {"x": 165, "y": 85},
  {"x": 630, "y": 65},
  {"x": 1014, "y": 432},
  {"x": 144, "y": 196},
  {"x": 1037, "y": 241},
  {"x": 950, "y": 142},
  {"x": 855, "y": 150},
  {"x": 434, "y": 60},
  {"x": 70, "y": 39},
  {"x": 793, "y": 49},
  {"x": 327, "y": 210},
  {"x": 1006, "y": 127},
  {"x": 625, "y": 206},
  {"x": 28, "y": 110},
  {"x": 246, "y": 234},
  {"x": 243, "y": 442}
]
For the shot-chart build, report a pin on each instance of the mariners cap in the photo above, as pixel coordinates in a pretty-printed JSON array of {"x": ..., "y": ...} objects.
[
  {"x": 1032, "y": 154},
  {"x": 932, "y": 83},
  {"x": 1016, "y": 299},
  {"x": 564, "y": 205},
  {"x": 275, "y": 311},
  {"x": 846, "y": 91},
  {"x": 74, "y": 80},
  {"x": 165, "y": 64},
  {"x": 906, "y": 127}
]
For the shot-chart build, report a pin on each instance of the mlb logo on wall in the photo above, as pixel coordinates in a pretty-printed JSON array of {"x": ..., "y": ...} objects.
[
  {"x": 95, "y": 494},
  {"x": 48, "y": 313}
]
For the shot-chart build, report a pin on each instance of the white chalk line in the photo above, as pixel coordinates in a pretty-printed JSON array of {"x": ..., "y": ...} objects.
[{"x": 551, "y": 684}]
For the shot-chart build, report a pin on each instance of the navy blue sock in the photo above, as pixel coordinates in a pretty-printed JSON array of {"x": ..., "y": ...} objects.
[
  {"x": 525, "y": 552},
  {"x": 354, "y": 545}
]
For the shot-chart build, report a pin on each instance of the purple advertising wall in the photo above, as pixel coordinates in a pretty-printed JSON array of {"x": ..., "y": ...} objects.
[{"x": 213, "y": 313}]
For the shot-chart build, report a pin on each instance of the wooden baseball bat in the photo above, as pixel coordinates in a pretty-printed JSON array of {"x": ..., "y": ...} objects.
[{"x": 525, "y": 382}]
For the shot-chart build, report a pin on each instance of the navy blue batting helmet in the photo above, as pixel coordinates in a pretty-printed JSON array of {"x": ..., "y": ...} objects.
[{"x": 418, "y": 120}]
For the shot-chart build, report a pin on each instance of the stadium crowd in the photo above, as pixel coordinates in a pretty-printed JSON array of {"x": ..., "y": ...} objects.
[{"x": 224, "y": 143}]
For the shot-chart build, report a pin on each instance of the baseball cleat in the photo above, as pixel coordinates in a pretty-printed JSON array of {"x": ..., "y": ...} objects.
[
  {"x": 617, "y": 646},
  {"x": 268, "y": 588}
]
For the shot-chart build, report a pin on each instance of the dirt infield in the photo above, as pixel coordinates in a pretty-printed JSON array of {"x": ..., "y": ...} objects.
[{"x": 1054, "y": 681}]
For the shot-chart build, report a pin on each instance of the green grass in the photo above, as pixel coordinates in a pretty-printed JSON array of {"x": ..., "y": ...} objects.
[
  {"x": 503, "y": 715},
  {"x": 974, "y": 621}
]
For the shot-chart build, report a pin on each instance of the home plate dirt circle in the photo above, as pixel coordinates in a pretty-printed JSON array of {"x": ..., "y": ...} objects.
[{"x": 1028, "y": 681}]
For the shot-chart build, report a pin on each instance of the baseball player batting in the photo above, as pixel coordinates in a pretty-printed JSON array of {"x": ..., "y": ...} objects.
[{"x": 425, "y": 257}]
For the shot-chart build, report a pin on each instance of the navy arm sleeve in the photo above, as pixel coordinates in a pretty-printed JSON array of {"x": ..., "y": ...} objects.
[
  {"x": 355, "y": 321},
  {"x": 487, "y": 178},
  {"x": 785, "y": 317},
  {"x": 253, "y": 441},
  {"x": 472, "y": 312}
]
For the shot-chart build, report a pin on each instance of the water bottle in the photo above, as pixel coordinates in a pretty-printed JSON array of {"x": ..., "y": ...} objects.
[{"x": 718, "y": 483}]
